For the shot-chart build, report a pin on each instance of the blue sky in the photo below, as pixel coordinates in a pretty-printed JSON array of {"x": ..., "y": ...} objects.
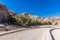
[{"x": 43, "y": 8}]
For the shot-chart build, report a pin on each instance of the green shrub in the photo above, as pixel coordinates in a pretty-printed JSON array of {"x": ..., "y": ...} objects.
[
  {"x": 11, "y": 20},
  {"x": 24, "y": 21},
  {"x": 46, "y": 23},
  {"x": 49, "y": 23},
  {"x": 36, "y": 22}
]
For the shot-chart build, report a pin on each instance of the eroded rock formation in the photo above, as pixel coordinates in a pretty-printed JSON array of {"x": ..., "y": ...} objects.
[{"x": 3, "y": 13}]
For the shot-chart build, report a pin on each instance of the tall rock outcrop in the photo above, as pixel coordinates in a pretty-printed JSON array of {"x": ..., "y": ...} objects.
[{"x": 3, "y": 13}]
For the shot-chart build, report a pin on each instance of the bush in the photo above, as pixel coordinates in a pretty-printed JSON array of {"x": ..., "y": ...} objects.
[
  {"x": 24, "y": 21},
  {"x": 46, "y": 23},
  {"x": 35, "y": 22},
  {"x": 49, "y": 23},
  {"x": 11, "y": 20}
]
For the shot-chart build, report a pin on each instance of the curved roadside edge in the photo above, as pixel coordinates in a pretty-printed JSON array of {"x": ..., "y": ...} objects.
[
  {"x": 9, "y": 32},
  {"x": 52, "y": 36},
  {"x": 17, "y": 30}
]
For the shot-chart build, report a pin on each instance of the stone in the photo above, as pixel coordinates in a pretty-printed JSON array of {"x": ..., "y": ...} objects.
[{"x": 3, "y": 13}]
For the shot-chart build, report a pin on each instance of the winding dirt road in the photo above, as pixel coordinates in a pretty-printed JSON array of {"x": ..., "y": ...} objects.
[{"x": 34, "y": 34}]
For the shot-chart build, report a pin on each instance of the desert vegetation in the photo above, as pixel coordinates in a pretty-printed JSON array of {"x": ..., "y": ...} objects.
[
  {"x": 22, "y": 20},
  {"x": 26, "y": 21}
]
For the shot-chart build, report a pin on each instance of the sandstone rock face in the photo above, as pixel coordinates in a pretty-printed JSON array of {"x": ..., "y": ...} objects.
[{"x": 3, "y": 13}]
